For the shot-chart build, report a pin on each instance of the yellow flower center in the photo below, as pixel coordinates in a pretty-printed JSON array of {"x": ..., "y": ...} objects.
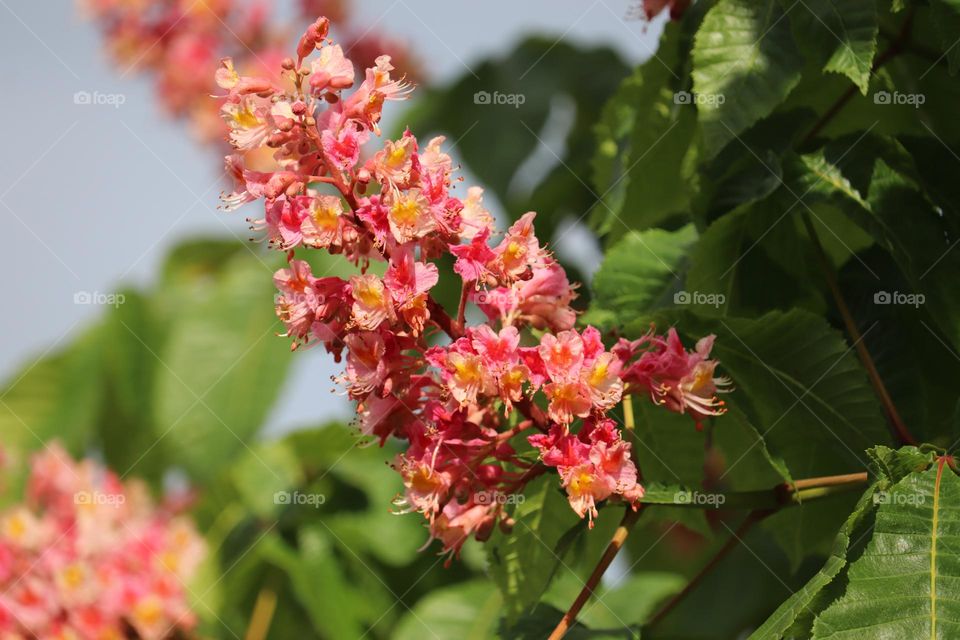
[
  {"x": 370, "y": 294},
  {"x": 147, "y": 612},
  {"x": 397, "y": 156},
  {"x": 405, "y": 211},
  {"x": 467, "y": 370},
  {"x": 16, "y": 527},
  {"x": 326, "y": 217},
  {"x": 423, "y": 480},
  {"x": 245, "y": 118},
  {"x": 581, "y": 483},
  {"x": 73, "y": 576},
  {"x": 599, "y": 374}
]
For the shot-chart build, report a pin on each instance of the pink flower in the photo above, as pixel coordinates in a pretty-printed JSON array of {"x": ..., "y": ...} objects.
[
  {"x": 372, "y": 304},
  {"x": 475, "y": 219},
  {"x": 451, "y": 401},
  {"x": 330, "y": 71},
  {"x": 409, "y": 215},
  {"x": 396, "y": 164},
  {"x": 341, "y": 142},
  {"x": 562, "y": 355},
  {"x": 682, "y": 381},
  {"x": 85, "y": 554},
  {"x": 520, "y": 250},
  {"x": 473, "y": 258},
  {"x": 594, "y": 465}
]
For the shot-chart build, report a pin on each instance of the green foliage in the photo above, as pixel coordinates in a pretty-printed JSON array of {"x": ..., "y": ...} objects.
[
  {"x": 563, "y": 90},
  {"x": 745, "y": 63},
  {"x": 893, "y": 567},
  {"x": 775, "y": 173},
  {"x": 522, "y": 562}
]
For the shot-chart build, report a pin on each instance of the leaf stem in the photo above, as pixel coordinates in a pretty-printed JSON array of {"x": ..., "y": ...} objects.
[
  {"x": 764, "y": 503},
  {"x": 900, "y": 430},
  {"x": 263, "y": 610},
  {"x": 616, "y": 542}
]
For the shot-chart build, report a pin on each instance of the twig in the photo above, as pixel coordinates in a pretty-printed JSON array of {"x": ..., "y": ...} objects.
[
  {"x": 895, "y": 48},
  {"x": 616, "y": 542},
  {"x": 899, "y": 428},
  {"x": 768, "y": 501},
  {"x": 752, "y": 518}
]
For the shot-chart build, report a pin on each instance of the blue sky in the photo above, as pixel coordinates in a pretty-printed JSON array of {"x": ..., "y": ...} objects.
[{"x": 92, "y": 196}]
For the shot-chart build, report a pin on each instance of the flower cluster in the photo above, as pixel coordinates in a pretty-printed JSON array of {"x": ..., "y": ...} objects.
[
  {"x": 173, "y": 39},
  {"x": 460, "y": 395},
  {"x": 87, "y": 556}
]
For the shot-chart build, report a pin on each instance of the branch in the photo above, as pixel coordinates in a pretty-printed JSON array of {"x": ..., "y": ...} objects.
[
  {"x": 895, "y": 48},
  {"x": 770, "y": 501},
  {"x": 900, "y": 430},
  {"x": 619, "y": 537},
  {"x": 752, "y": 518},
  {"x": 798, "y": 492}
]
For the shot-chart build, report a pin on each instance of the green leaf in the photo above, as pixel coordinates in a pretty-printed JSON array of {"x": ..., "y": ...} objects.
[
  {"x": 639, "y": 274},
  {"x": 221, "y": 369},
  {"x": 130, "y": 337},
  {"x": 745, "y": 63},
  {"x": 54, "y": 396},
  {"x": 265, "y": 476},
  {"x": 794, "y": 618},
  {"x": 891, "y": 465},
  {"x": 945, "y": 15},
  {"x": 318, "y": 582},
  {"x": 803, "y": 388},
  {"x": 749, "y": 261},
  {"x": 544, "y": 142},
  {"x": 840, "y": 35},
  {"x": 522, "y": 562},
  {"x": 466, "y": 611},
  {"x": 906, "y": 582},
  {"x": 642, "y": 167}
]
